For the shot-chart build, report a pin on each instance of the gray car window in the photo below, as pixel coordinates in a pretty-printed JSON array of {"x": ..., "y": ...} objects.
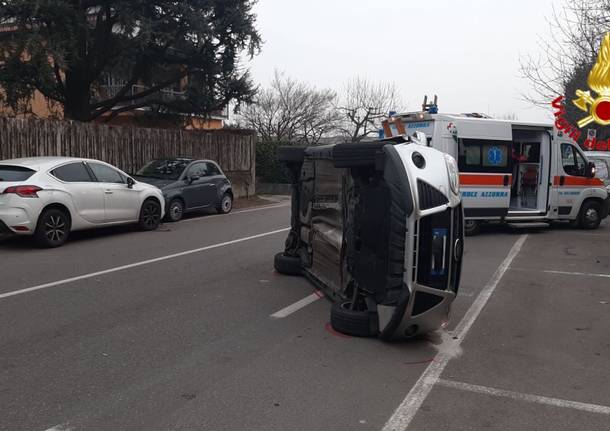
[
  {"x": 72, "y": 173},
  {"x": 212, "y": 169},
  {"x": 601, "y": 169},
  {"x": 106, "y": 174},
  {"x": 198, "y": 169}
]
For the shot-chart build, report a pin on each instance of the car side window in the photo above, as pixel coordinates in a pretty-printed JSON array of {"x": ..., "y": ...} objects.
[
  {"x": 573, "y": 163},
  {"x": 212, "y": 169},
  {"x": 198, "y": 169},
  {"x": 106, "y": 174},
  {"x": 72, "y": 173}
]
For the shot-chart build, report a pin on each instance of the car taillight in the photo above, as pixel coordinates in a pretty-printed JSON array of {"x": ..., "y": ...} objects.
[{"x": 23, "y": 191}]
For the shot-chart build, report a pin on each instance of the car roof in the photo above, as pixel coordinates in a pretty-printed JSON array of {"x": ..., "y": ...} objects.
[{"x": 40, "y": 163}]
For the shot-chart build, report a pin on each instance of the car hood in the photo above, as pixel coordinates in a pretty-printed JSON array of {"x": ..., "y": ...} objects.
[{"x": 154, "y": 181}]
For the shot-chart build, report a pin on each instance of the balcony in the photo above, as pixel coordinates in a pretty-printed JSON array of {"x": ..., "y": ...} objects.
[{"x": 105, "y": 92}]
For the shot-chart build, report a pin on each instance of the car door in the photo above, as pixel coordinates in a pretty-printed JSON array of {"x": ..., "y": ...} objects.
[
  {"x": 122, "y": 204},
  {"x": 215, "y": 179},
  {"x": 87, "y": 195},
  {"x": 571, "y": 181},
  {"x": 198, "y": 188}
]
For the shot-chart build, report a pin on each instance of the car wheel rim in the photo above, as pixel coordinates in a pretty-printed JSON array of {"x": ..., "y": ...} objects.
[
  {"x": 55, "y": 228},
  {"x": 226, "y": 204},
  {"x": 591, "y": 215},
  {"x": 151, "y": 215},
  {"x": 176, "y": 211}
]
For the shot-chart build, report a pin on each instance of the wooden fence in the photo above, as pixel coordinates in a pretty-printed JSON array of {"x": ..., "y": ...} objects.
[{"x": 130, "y": 148}]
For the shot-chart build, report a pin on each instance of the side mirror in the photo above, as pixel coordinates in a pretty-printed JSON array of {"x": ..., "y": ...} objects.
[
  {"x": 130, "y": 182},
  {"x": 193, "y": 178},
  {"x": 590, "y": 173}
]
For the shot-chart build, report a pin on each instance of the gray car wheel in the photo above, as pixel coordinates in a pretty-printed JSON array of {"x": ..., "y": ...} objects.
[
  {"x": 53, "y": 228},
  {"x": 175, "y": 210},
  {"x": 150, "y": 215},
  {"x": 226, "y": 204}
]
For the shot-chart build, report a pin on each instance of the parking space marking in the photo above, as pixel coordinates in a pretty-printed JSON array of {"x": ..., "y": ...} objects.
[
  {"x": 584, "y": 274},
  {"x": 62, "y": 427},
  {"x": 261, "y": 208},
  {"x": 287, "y": 311},
  {"x": 137, "y": 264},
  {"x": 409, "y": 407},
  {"x": 519, "y": 396}
]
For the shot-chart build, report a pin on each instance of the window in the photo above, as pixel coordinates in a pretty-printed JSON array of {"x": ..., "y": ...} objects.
[
  {"x": 15, "y": 173},
  {"x": 573, "y": 162},
  {"x": 212, "y": 169},
  {"x": 476, "y": 155},
  {"x": 601, "y": 169},
  {"x": 106, "y": 174},
  {"x": 72, "y": 173},
  {"x": 198, "y": 170},
  {"x": 164, "y": 169}
]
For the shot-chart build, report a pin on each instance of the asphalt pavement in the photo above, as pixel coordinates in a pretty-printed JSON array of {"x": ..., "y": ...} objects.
[{"x": 172, "y": 330}]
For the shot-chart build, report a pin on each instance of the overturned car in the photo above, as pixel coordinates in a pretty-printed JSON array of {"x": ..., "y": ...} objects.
[{"x": 378, "y": 227}]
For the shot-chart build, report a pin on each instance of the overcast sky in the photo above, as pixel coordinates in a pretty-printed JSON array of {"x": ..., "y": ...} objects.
[{"x": 467, "y": 52}]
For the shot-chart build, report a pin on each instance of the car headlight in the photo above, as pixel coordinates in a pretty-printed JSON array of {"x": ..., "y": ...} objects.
[{"x": 452, "y": 171}]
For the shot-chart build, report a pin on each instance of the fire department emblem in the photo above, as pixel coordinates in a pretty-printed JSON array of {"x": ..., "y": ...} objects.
[{"x": 598, "y": 107}]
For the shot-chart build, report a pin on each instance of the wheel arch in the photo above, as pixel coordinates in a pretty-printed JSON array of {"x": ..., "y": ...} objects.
[{"x": 58, "y": 206}]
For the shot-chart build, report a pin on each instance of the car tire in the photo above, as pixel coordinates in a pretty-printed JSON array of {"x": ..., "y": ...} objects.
[
  {"x": 355, "y": 155},
  {"x": 150, "y": 215},
  {"x": 225, "y": 205},
  {"x": 53, "y": 228},
  {"x": 291, "y": 154},
  {"x": 175, "y": 211},
  {"x": 472, "y": 227},
  {"x": 590, "y": 215},
  {"x": 287, "y": 265},
  {"x": 358, "y": 323}
]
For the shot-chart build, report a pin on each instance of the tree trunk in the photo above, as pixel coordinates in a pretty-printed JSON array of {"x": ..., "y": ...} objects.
[{"x": 77, "y": 105}]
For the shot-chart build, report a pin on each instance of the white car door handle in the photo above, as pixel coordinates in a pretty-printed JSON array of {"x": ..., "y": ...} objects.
[{"x": 108, "y": 192}]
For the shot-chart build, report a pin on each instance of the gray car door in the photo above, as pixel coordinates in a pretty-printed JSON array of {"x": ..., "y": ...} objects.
[{"x": 199, "y": 191}]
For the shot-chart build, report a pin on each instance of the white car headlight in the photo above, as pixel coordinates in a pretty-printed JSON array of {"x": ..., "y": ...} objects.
[{"x": 452, "y": 171}]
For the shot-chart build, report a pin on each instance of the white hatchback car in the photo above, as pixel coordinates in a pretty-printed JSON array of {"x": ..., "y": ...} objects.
[{"x": 48, "y": 197}]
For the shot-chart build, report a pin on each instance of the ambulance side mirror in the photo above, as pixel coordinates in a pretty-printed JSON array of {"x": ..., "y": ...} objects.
[{"x": 590, "y": 170}]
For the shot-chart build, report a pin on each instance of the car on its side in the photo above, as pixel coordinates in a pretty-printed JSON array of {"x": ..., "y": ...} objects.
[
  {"x": 379, "y": 228},
  {"x": 49, "y": 197},
  {"x": 188, "y": 185}
]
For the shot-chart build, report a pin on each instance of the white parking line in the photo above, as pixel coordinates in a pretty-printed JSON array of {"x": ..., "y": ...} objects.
[
  {"x": 135, "y": 265},
  {"x": 555, "y": 402},
  {"x": 261, "y": 208},
  {"x": 284, "y": 312},
  {"x": 585, "y": 274},
  {"x": 406, "y": 411},
  {"x": 62, "y": 427}
]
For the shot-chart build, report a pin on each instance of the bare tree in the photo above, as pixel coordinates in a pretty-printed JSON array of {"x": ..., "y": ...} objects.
[
  {"x": 576, "y": 29},
  {"x": 363, "y": 107},
  {"x": 291, "y": 111}
]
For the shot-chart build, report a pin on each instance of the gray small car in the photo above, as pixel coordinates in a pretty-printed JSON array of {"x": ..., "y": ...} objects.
[
  {"x": 188, "y": 185},
  {"x": 378, "y": 227}
]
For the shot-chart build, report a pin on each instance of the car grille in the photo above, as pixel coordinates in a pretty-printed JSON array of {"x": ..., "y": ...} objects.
[{"x": 429, "y": 197}]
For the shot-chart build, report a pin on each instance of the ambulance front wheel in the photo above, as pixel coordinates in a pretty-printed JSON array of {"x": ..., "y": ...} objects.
[
  {"x": 590, "y": 215},
  {"x": 472, "y": 227}
]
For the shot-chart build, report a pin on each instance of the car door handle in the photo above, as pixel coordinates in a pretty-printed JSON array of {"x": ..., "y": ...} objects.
[{"x": 108, "y": 192}]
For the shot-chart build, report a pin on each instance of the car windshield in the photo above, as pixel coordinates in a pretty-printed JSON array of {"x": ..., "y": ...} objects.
[{"x": 166, "y": 169}]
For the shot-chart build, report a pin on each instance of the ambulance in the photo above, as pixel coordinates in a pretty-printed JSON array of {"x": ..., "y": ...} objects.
[{"x": 511, "y": 171}]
